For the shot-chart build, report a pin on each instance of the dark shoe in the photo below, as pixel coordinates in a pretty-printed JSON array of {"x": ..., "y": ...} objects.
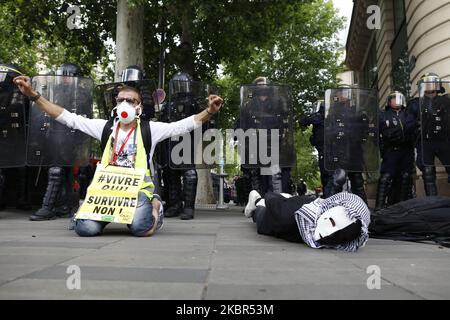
[
  {"x": 187, "y": 214},
  {"x": 336, "y": 182},
  {"x": 43, "y": 214},
  {"x": 63, "y": 212},
  {"x": 172, "y": 212}
]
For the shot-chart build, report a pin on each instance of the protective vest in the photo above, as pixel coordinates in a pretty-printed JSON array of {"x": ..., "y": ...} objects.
[{"x": 141, "y": 161}]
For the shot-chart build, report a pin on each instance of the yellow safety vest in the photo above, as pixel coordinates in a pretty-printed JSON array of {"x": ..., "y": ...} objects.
[{"x": 141, "y": 161}]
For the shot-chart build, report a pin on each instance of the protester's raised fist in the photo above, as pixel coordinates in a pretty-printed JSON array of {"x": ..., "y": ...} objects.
[
  {"x": 214, "y": 103},
  {"x": 24, "y": 85}
]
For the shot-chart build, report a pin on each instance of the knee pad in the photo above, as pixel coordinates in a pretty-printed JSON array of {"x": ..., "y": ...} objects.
[
  {"x": 429, "y": 174},
  {"x": 55, "y": 174}
]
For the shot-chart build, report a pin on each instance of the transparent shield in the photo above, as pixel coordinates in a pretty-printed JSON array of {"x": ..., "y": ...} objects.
[
  {"x": 12, "y": 125},
  {"x": 435, "y": 122},
  {"x": 198, "y": 149},
  {"x": 49, "y": 142},
  {"x": 351, "y": 130},
  {"x": 267, "y": 136}
]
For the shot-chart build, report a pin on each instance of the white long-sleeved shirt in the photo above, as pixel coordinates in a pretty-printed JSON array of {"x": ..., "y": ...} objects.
[{"x": 160, "y": 131}]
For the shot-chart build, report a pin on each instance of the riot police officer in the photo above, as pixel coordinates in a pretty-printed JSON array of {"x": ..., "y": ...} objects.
[
  {"x": 349, "y": 128},
  {"x": 317, "y": 120},
  {"x": 435, "y": 130},
  {"x": 13, "y": 114},
  {"x": 267, "y": 110},
  {"x": 183, "y": 103},
  {"x": 397, "y": 139},
  {"x": 57, "y": 197}
]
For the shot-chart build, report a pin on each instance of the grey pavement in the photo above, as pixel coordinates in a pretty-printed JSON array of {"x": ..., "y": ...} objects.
[{"x": 218, "y": 255}]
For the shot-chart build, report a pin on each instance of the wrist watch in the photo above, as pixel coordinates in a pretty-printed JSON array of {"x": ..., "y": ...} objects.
[{"x": 35, "y": 98}]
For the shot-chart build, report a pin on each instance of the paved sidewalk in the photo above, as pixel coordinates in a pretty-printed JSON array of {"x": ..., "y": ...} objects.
[{"x": 216, "y": 256}]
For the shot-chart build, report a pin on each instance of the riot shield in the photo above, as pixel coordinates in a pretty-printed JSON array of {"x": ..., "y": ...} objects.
[
  {"x": 266, "y": 121},
  {"x": 351, "y": 130},
  {"x": 12, "y": 125},
  {"x": 435, "y": 122},
  {"x": 106, "y": 94},
  {"x": 50, "y": 143},
  {"x": 188, "y": 98}
]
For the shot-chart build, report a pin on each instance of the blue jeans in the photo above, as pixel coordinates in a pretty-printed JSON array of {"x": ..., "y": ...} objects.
[{"x": 143, "y": 221}]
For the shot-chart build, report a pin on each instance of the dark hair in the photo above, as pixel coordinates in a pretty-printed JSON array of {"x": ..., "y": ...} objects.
[
  {"x": 133, "y": 89},
  {"x": 344, "y": 236}
]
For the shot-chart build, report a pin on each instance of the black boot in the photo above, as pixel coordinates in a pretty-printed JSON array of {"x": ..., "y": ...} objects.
[
  {"x": 406, "y": 188},
  {"x": 336, "y": 183},
  {"x": 55, "y": 175},
  {"x": 63, "y": 208},
  {"x": 429, "y": 181},
  {"x": 277, "y": 183},
  {"x": 173, "y": 186},
  {"x": 357, "y": 182},
  {"x": 384, "y": 187},
  {"x": 190, "y": 180},
  {"x": 255, "y": 180}
]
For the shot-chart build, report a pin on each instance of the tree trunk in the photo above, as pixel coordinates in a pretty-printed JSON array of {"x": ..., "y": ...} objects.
[
  {"x": 205, "y": 194},
  {"x": 129, "y": 37}
]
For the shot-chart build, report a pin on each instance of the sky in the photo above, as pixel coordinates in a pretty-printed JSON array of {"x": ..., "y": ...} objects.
[{"x": 345, "y": 8}]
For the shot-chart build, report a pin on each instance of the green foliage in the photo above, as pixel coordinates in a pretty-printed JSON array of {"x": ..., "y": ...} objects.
[
  {"x": 35, "y": 34},
  {"x": 307, "y": 167}
]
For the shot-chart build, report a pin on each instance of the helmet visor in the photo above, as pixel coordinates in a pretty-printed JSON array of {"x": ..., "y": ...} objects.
[
  {"x": 179, "y": 86},
  {"x": 397, "y": 99},
  {"x": 131, "y": 75},
  {"x": 3, "y": 76},
  {"x": 429, "y": 85}
]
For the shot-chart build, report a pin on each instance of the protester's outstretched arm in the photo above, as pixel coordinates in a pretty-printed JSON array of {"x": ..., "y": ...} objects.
[
  {"x": 24, "y": 84},
  {"x": 162, "y": 130},
  {"x": 92, "y": 127},
  {"x": 214, "y": 105}
]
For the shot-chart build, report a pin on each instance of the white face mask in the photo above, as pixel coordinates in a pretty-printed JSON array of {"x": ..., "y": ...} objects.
[
  {"x": 331, "y": 222},
  {"x": 126, "y": 112}
]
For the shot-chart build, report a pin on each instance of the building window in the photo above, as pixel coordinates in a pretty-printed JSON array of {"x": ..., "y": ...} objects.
[
  {"x": 399, "y": 14},
  {"x": 370, "y": 70}
]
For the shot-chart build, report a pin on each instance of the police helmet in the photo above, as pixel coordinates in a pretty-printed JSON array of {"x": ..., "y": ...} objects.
[
  {"x": 69, "y": 70},
  {"x": 8, "y": 72},
  {"x": 429, "y": 82},
  {"x": 396, "y": 97},
  {"x": 181, "y": 83},
  {"x": 133, "y": 73}
]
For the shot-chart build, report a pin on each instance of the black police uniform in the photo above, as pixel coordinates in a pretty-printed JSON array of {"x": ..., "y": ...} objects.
[
  {"x": 349, "y": 148},
  {"x": 183, "y": 106},
  {"x": 317, "y": 120},
  {"x": 279, "y": 182},
  {"x": 12, "y": 125},
  {"x": 397, "y": 139},
  {"x": 436, "y": 140}
]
